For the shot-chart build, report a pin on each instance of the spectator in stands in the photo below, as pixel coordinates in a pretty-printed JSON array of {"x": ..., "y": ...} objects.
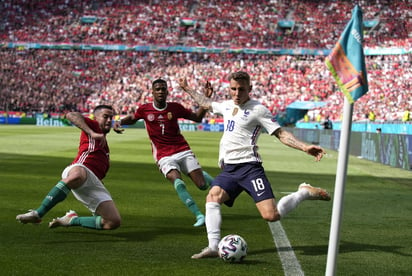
[
  {"x": 80, "y": 80},
  {"x": 327, "y": 124}
]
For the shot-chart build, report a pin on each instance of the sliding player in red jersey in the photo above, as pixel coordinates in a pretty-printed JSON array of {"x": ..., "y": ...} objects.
[{"x": 84, "y": 178}]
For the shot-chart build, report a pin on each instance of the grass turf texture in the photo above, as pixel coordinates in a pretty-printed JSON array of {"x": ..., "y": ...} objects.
[{"x": 157, "y": 236}]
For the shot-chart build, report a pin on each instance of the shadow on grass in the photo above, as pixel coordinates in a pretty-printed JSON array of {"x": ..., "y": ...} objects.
[
  {"x": 128, "y": 180},
  {"x": 345, "y": 247},
  {"x": 148, "y": 230},
  {"x": 34, "y": 166}
]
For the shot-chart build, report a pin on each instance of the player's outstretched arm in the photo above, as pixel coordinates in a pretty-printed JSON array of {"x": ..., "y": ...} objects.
[
  {"x": 202, "y": 99},
  {"x": 77, "y": 119},
  {"x": 201, "y": 111},
  {"x": 128, "y": 120},
  {"x": 290, "y": 140},
  {"x": 117, "y": 127}
]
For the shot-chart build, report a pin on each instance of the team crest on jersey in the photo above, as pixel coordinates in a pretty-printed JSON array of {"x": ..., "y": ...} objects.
[
  {"x": 235, "y": 110},
  {"x": 169, "y": 115},
  {"x": 150, "y": 117},
  {"x": 246, "y": 114}
]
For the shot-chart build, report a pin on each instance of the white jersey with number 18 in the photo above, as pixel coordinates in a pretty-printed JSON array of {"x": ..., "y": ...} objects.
[{"x": 242, "y": 127}]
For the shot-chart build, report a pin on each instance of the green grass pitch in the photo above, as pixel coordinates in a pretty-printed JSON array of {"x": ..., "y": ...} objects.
[{"x": 157, "y": 236}]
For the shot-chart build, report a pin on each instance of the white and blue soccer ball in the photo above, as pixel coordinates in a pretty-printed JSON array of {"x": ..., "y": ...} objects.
[{"x": 232, "y": 248}]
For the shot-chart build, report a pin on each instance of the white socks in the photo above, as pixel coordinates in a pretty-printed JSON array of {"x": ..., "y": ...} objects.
[
  {"x": 289, "y": 202},
  {"x": 213, "y": 222},
  {"x": 214, "y": 217}
]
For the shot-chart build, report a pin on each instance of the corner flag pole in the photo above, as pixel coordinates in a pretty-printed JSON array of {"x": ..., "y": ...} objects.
[
  {"x": 339, "y": 193},
  {"x": 347, "y": 65}
]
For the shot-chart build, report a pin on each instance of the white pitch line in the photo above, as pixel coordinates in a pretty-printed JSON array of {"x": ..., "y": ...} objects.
[{"x": 290, "y": 263}]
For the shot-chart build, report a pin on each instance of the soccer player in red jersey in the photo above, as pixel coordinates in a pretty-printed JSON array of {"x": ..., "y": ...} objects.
[
  {"x": 84, "y": 177},
  {"x": 170, "y": 149}
]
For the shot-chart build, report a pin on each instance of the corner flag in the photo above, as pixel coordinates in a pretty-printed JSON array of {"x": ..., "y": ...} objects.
[
  {"x": 347, "y": 65},
  {"x": 347, "y": 61}
]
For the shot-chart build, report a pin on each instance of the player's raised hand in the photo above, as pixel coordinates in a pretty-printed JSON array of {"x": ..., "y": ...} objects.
[
  {"x": 208, "y": 89},
  {"x": 117, "y": 127},
  {"x": 183, "y": 84},
  {"x": 316, "y": 151}
]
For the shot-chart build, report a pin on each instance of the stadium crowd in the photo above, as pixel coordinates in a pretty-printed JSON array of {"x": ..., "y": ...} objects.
[
  {"x": 57, "y": 81},
  {"x": 62, "y": 80},
  {"x": 217, "y": 23}
]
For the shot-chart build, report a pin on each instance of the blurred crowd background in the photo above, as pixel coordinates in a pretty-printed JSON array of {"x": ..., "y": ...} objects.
[{"x": 46, "y": 80}]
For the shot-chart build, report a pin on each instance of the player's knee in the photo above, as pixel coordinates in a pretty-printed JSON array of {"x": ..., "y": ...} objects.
[
  {"x": 271, "y": 216},
  {"x": 211, "y": 197},
  {"x": 77, "y": 176},
  {"x": 112, "y": 224},
  {"x": 115, "y": 224},
  {"x": 203, "y": 187},
  {"x": 217, "y": 194}
]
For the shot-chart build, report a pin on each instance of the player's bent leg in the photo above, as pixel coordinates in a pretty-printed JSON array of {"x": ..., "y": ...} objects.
[
  {"x": 213, "y": 222},
  {"x": 208, "y": 178},
  {"x": 305, "y": 192},
  {"x": 107, "y": 218},
  {"x": 268, "y": 210},
  {"x": 75, "y": 177},
  {"x": 57, "y": 194},
  {"x": 198, "y": 177},
  {"x": 72, "y": 219},
  {"x": 314, "y": 193},
  {"x": 200, "y": 220},
  {"x": 65, "y": 220},
  {"x": 111, "y": 218},
  {"x": 30, "y": 217},
  {"x": 187, "y": 199}
]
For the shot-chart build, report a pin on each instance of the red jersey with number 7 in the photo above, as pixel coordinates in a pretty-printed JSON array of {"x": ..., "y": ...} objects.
[
  {"x": 92, "y": 154},
  {"x": 163, "y": 128}
]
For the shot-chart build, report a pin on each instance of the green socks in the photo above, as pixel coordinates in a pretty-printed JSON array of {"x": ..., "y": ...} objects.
[
  {"x": 185, "y": 197},
  {"x": 208, "y": 179},
  {"x": 57, "y": 194},
  {"x": 87, "y": 222}
]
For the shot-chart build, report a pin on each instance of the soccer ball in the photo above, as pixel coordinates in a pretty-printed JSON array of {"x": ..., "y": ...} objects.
[{"x": 232, "y": 248}]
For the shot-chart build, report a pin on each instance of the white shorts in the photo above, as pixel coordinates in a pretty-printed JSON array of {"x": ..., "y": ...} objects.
[
  {"x": 184, "y": 162},
  {"x": 92, "y": 192}
]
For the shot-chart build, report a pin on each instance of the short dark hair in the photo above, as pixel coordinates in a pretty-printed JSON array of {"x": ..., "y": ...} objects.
[
  {"x": 239, "y": 76},
  {"x": 102, "y": 106},
  {"x": 158, "y": 81}
]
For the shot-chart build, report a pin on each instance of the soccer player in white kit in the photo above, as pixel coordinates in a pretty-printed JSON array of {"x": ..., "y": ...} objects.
[{"x": 241, "y": 163}]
